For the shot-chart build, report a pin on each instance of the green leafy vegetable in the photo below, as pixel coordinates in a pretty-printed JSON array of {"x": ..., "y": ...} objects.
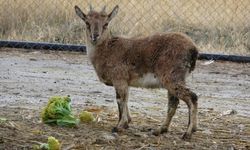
[
  {"x": 52, "y": 144},
  {"x": 58, "y": 111}
]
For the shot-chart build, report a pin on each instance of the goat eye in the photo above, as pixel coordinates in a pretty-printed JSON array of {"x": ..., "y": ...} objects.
[
  {"x": 105, "y": 26},
  {"x": 87, "y": 25}
]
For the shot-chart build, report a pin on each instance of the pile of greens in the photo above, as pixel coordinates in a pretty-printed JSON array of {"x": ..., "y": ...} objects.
[
  {"x": 52, "y": 144},
  {"x": 58, "y": 112}
]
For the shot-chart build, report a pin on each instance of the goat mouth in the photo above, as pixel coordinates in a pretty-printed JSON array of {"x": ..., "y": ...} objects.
[{"x": 94, "y": 42}]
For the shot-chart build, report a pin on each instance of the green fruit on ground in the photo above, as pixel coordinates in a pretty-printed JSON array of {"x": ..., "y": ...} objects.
[{"x": 86, "y": 117}]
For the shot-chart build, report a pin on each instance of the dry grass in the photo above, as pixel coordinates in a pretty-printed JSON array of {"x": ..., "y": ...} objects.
[{"x": 216, "y": 25}]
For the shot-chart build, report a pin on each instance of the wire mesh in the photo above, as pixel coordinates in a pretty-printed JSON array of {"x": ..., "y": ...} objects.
[{"x": 216, "y": 26}]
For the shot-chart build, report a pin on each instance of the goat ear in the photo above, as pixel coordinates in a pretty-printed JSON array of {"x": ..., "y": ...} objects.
[
  {"x": 113, "y": 13},
  {"x": 80, "y": 13}
]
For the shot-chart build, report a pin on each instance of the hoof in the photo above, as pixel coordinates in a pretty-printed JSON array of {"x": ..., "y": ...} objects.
[
  {"x": 156, "y": 132},
  {"x": 115, "y": 130},
  {"x": 129, "y": 119},
  {"x": 125, "y": 126},
  {"x": 186, "y": 136},
  {"x": 194, "y": 130},
  {"x": 120, "y": 129},
  {"x": 159, "y": 131}
]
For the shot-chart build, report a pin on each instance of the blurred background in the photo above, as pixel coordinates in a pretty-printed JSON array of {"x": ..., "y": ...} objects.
[{"x": 216, "y": 26}]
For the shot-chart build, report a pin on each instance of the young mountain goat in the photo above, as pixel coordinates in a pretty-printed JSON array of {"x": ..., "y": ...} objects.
[{"x": 158, "y": 61}]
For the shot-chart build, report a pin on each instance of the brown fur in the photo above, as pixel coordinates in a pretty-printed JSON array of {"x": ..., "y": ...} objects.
[
  {"x": 169, "y": 54},
  {"x": 122, "y": 62}
]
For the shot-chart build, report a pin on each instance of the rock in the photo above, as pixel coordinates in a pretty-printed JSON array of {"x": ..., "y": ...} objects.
[
  {"x": 231, "y": 147},
  {"x": 208, "y": 62},
  {"x": 104, "y": 139},
  {"x": 108, "y": 136},
  {"x": 138, "y": 134},
  {"x": 229, "y": 112},
  {"x": 95, "y": 92},
  {"x": 109, "y": 100},
  {"x": 33, "y": 59},
  {"x": 241, "y": 127},
  {"x": 207, "y": 131}
]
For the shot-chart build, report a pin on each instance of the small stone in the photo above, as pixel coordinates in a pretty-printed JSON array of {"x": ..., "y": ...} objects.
[
  {"x": 108, "y": 137},
  {"x": 229, "y": 112},
  {"x": 208, "y": 62},
  {"x": 95, "y": 92},
  {"x": 16, "y": 93},
  {"x": 33, "y": 59},
  {"x": 207, "y": 131},
  {"x": 109, "y": 100},
  {"x": 140, "y": 135},
  {"x": 104, "y": 139},
  {"x": 241, "y": 127}
]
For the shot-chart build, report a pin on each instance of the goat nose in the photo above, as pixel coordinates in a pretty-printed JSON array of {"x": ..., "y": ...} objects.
[{"x": 95, "y": 37}]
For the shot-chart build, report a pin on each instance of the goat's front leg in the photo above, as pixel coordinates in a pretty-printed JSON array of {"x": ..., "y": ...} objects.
[{"x": 122, "y": 101}]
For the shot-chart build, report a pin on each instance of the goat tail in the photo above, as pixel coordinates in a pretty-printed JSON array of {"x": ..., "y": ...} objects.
[{"x": 193, "y": 57}]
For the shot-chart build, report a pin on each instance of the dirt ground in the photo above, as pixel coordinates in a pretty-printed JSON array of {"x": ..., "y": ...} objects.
[{"x": 29, "y": 78}]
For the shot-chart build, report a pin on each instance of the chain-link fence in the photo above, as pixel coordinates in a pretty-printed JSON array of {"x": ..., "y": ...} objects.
[{"x": 220, "y": 26}]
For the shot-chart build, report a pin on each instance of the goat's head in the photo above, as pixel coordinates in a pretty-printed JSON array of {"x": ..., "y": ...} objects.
[{"x": 96, "y": 23}]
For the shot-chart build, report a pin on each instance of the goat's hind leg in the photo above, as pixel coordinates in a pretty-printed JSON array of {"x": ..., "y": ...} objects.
[
  {"x": 190, "y": 98},
  {"x": 195, "y": 104},
  {"x": 172, "y": 106}
]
